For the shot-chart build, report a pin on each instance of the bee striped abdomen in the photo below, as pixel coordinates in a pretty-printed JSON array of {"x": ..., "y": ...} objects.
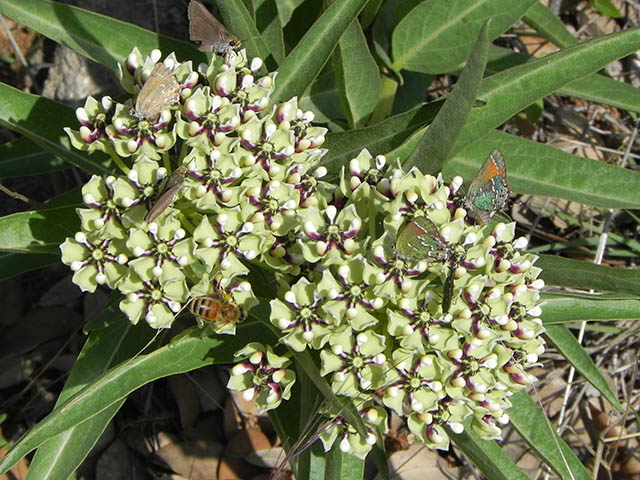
[
  {"x": 207, "y": 308},
  {"x": 218, "y": 309}
]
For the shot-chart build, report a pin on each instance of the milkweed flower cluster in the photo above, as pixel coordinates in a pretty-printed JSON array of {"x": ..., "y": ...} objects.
[{"x": 254, "y": 198}]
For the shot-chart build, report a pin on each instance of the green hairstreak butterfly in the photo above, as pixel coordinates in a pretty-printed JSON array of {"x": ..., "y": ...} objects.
[
  {"x": 489, "y": 192},
  {"x": 420, "y": 239},
  {"x": 168, "y": 194},
  {"x": 208, "y": 31},
  {"x": 159, "y": 91}
]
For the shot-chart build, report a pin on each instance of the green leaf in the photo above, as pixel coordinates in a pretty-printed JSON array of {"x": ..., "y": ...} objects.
[
  {"x": 323, "y": 99},
  {"x": 574, "y": 353},
  {"x": 486, "y": 455},
  {"x": 543, "y": 170},
  {"x": 378, "y": 139},
  {"x": 437, "y": 36},
  {"x": 547, "y": 24},
  {"x": 534, "y": 428},
  {"x": 508, "y": 92},
  {"x": 369, "y": 12},
  {"x": 42, "y": 120},
  {"x": 434, "y": 148},
  {"x": 268, "y": 23},
  {"x": 60, "y": 456},
  {"x": 606, "y": 7},
  {"x": 186, "y": 352},
  {"x": 357, "y": 75},
  {"x": 595, "y": 88},
  {"x": 286, "y": 8},
  {"x": 342, "y": 465},
  {"x": 97, "y": 37},
  {"x": 38, "y": 231},
  {"x": 238, "y": 20},
  {"x": 14, "y": 264},
  {"x": 22, "y": 158},
  {"x": 565, "y": 272},
  {"x": 566, "y": 308},
  {"x": 306, "y": 60},
  {"x": 412, "y": 92}
]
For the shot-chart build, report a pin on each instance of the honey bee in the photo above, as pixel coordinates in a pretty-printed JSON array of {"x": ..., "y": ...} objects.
[{"x": 217, "y": 309}]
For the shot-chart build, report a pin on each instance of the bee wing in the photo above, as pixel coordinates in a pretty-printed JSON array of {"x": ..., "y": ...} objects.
[
  {"x": 206, "y": 29},
  {"x": 159, "y": 91}
]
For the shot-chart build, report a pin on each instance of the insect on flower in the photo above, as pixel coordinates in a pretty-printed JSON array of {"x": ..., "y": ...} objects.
[
  {"x": 489, "y": 192},
  {"x": 159, "y": 91},
  {"x": 421, "y": 240},
  {"x": 168, "y": 194},
  {"x": 217, "y": 309},
  {"x": 208, "y": 31}
]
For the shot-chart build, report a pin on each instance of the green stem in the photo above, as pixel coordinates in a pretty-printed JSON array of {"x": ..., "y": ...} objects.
[
  {"x": 388, "y": 89},
  {"x": 166, "y": 161},
  {"x": 183, "y": 152},
  {"x": 372, "y": 221},
  {"x": 116, "y": 159}
]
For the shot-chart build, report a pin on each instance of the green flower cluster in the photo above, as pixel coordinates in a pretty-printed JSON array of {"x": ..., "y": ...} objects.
[{"x": 253, "y": 196}]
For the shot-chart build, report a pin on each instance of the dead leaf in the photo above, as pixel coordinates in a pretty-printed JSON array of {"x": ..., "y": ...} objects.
[
  {"x": 193, "y": 459},
  {"x": 233, "y": 466},
  {"x": 185, "y": 394},
  {"x": 416, "y": 463}
]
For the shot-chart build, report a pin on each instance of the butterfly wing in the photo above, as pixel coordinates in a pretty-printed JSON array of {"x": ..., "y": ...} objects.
[
  {"x": 489, "y": 191},
  {"x": 159, "y": 91},
  {"x": 207, "y": 30},
  {"x": 420, "y": 239}
]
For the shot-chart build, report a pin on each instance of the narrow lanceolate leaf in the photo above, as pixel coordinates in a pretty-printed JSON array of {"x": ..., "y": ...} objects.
[
  {"x": 437, "y": 36},
  {"x": 23, "y": 157},
  {"x": 508, "y": 92},
  {"x": 379, "y": 139},
  {"x": 99, "y": 38},
  {"x": 238, "y": 20},
  {"x": 344, "y": 466},
  {"x": 60, "y": 456},
  {"x": 309, "y": 56},
  {"x": 433, "y": 149},
  {"x": 535, "y": 429},
  {"x": 564, "y": 272},
  {"x": 574, "y": 353},
  {"x": 41, "y": 120},
  {"x": 549, "y": 25},
  {"x": 268, "y": 23},
  {"x": 14, "y": 264},
  {"x": 357, "y": 75},
  {"x": 40, "y": 231},
  {"x": 568, "y": 308},
  {"x": 486, "y": 455},
  {"x": 189, "y": 351},
  {"x": 595, "y": 87},
  {"x": 539, "y": 169}
]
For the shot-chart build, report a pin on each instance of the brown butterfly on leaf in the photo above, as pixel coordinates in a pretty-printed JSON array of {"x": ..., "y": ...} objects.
[
  {"x": 159, "y": 91},
  {"x": 208, "y": 31}
]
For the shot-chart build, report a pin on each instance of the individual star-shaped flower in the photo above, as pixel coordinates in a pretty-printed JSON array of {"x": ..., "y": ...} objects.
[
  {"x": 301, "y": 317},
  {"x": 263, "y": 376},
  {"x": 157, "y": 301},
  {"x": 95, "y": 261},
  {"x": 351, "y": 294},
  {"x": 163, "y": 244},
  {"x": 229, "y": 240},
  {"x": 331, "y": 237},
  {"x": 357, "y": 362}
]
